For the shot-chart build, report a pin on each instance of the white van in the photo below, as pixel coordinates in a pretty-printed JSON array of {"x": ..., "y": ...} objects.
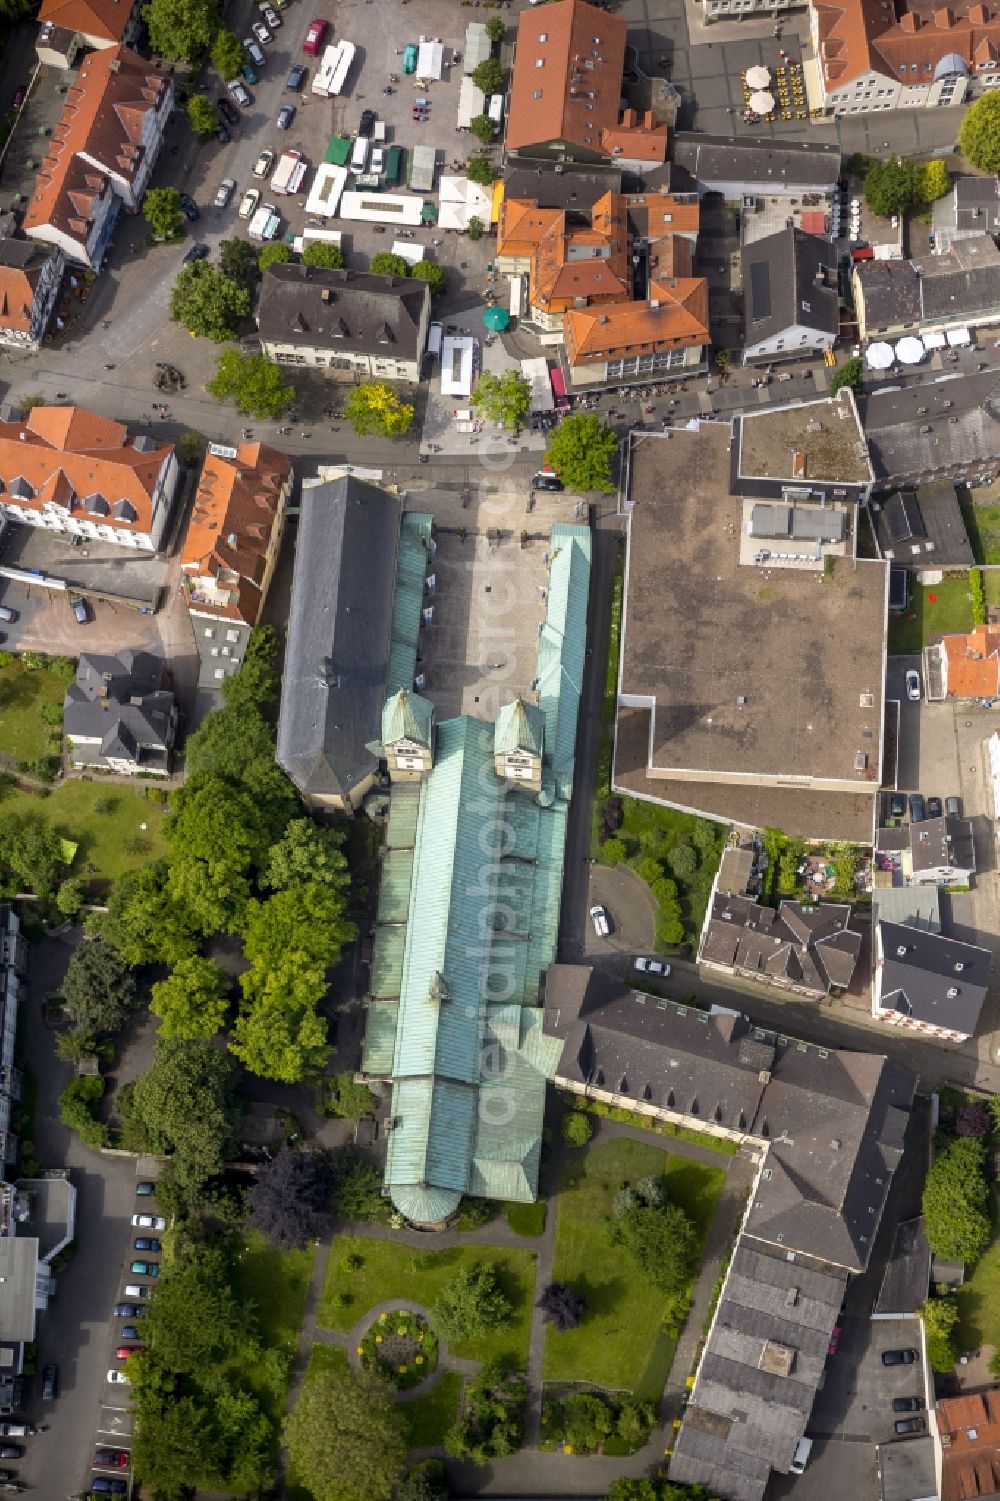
[
  {"x": 800, "y": 1458},
  {"x": 136, "y": 1290},
  {"x": 359, "y": 155},
  {"x": 434, "y": 336}
]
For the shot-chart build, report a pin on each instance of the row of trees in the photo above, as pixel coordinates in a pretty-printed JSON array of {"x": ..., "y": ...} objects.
[{"x": 895, "y": 184}]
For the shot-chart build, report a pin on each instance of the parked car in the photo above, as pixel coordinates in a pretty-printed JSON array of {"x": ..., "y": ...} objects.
[
  {"x": 225, "y": 191},
  {"x": 296, "y": 78},
  {"x": 228, "y": 111},
  {"x": 377, "y": 163},
  {"x": 239, "y": 92},
  {"x": 917, "y": 814},
  {"x": 222, "y": 134},
  {"x": 315, "y": 37},
  {"x": 116, "y": 1459},
  {"x": 652, "y": 967},
  {"x": 599, "y": 917},
  {"x": 145, "y": 1268},
  {"x": 254, "y": 51},
  {"x": 899, "y": 1357},
  {"x": 12, "y": 1451},
  {"x": 263, "y": 164},
  {"x": 250, "y": 74},
  {"x": 367, "y": 124},
  {"x": 124, "y": 1351},
  {"x": 191, "y": 209},
  {"x": 117, "y": 1378},
  {"x": 286, "y": 115},
  {"x": 913, "y": 685},
  {"x": 128, "y": 1311},
  {"x": 7, "y": 615},
  {"x": 934, "y": 809},
  {"x": 108, "y": 1485},
  {"x": 249, "y": 203},
  {"x": 197, "y": 252},
  {"x": 148, "y": 1243},
  {"x": 909, "y": 1425},
  {"x": 145, "y": 1188},
  {"x": 20, "y": 94},
  {"x": 801, "y": 1456},
  {"x": 130, "y": 1331},
  {"x": 149, "y": 1222},
  {"x": 136, "y": 1290},
  {"x": 838, "y": 1330},
  {"x": 897, "y": 805},
  {"x": 271, "y": 17},
  {"x": 260, "y": 31},
  {"x": 907, "y": 1404},
  {"x": 953, "y": 807}
]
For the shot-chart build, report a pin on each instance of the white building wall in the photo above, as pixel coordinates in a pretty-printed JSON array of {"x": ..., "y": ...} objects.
[{"x": 792, "y": 340}]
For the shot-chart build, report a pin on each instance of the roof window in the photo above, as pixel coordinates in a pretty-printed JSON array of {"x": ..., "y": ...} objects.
[
  {"x": 536, "y": 94},
  {"x": 544, "y": 37},
  {"x": 539, "y": 62}
]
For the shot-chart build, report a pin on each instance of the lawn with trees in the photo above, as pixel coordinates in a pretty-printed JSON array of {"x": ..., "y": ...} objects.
[
  {"x": 620, "y": 1342},
  {"x": 103, "y": 820},
  {"x": 32, "y": 689}
]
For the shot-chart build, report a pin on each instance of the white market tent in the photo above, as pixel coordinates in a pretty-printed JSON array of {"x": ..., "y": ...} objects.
[
  {"x": 327, "y": 187},
  {"x": 430, "y": 60},
  {"x": 461, "y": 200},
  {"x": 758, "y": 77},
  {"x": 456, "y": 365},
  {"x": 409, "y": 250},
  {"x": 958, "y": 338},
  {"x": 910, "y": 350},
  {"x": 478, "y": 46},
  {"x": 934, "y": 341},
  {"x": 762, "y": 103},
  {"x": 879, "y": 356},
  {"x": 536, "y": 373},
  {"x": 471, "y": 102},
  {"x": 381, "y": 208}
]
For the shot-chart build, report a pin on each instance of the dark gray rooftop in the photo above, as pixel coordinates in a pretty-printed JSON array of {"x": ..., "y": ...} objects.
[
  {"x": 812, "y": 947},
  {"x": 575, "y": 191},
  {"x": 347, "y": 310},
  {"x": 933, "y": 426},
  {"x": 119, "y": 701},
  {"x": 891, "y": 291},
  {"x": 788, "y": 167},
  {"x": 923, "y": 527},
  {"x": 333, "y": 683},
  {"x": 907, "y": 1471},
  {"x": 907, "y": 1275},
  {"x": 931, "y": 978},
  {"x": 789, "y": 278},
  {"x": 942, "y": 842},
  {"x": 962, "y": 282}
]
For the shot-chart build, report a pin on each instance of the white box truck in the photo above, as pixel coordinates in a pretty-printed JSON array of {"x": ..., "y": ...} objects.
[
  {"x": 265, "y": 223},
  {"x": 289, "y": 174}
]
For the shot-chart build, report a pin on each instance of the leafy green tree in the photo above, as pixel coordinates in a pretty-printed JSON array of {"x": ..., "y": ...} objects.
[
  {"x": 385, "y": 263},
  {"x": 290, "y": 1199},
  {"x": 196, "y": 1321},
  {"x": 934, "y": 181},
  {"x": 218, "y": 835},
  {"x": 255, "y": 383},
  {"x": 99, "y": 990},
  {"x": 614, "y": 852},
  {"x": 481, "y": 170},
  {"x": 374, "y": 409},
  {"x": 979, "y": 137},
  {"x": 491, "y": 1422},
  {"x": 851, "y": 374},
  {"x": 577, "y": 1128},
  {"x": 306, "y": 853},
  {"x": 190, "y": 447},
  {"x": 505, "y": 399},
  {"x": 175, "y": 1443},
  {"x": 483, "y": 128},
  {"x": 683, "y": 861},
  {"x": 345, "y": 1437},
  {"x": 208, "y": 303},
  {"x": 274, "y": 254},
  {"x": 144, "y": 923},
  {"x": 488, "y": 76},
  {"x": 662, "y": 1242},
  {"x": 73, "y": 1047},
  {"x": 583, "y": 451},
  {"x": 940, "y": 1316},
  {"x": 424, "y": 1482},
  {"x": 495, "y": 29},
  {"x": 347, "y": 1099},
  {"x": 186, "y": 1104},
  {"x": 69, "y": 897},
  {"x": 432, "y": 274},
  {"x": 227, "y": 54},
  {"x": 587, "y": 1422},
  {"x": 163, "y": 212},
  {"x": 475, "y": 228},
  {"x": 238, "y": 261},
  {"x": 80, "y": 1103},
  {"x": 31, "y": 850},
  {"x": 473, "y": 1302},
  {"x": 201, "y": 115},
  {"x": 891, "y": 186},
  {"x": 193, "y": 1000},
  {"x": 246, "y": 1437},
  {"x": 357, "y": 1191},
  {"x": 956, "y": 1202},
  {"x": 325, "y": 254},
  {"x": 181, "y": 30}
]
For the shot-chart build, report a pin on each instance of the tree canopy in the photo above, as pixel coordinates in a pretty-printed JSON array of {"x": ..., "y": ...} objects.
[
  {"x": 218, "y": 834},
  {"x": 144, "y": 922},
  {"x": 662, "y": 1242},
  {"x": 891, "y": 186},
  {"x": 164, "y": 213},
  {"x": 238, "y": 261},
  {"x": 345, "y": 1437},
  {"x": 274, "y": 254},
  {"x": 956, "y": 1201},
  {"x": 480, "y": 169},
  {"x": 473, "y": 1302},
  {"x": 196, "y": 1321},
  {"x": 201, "y": 115},
  {"x": 851, "y": 374},
  {"x": 307, "y": 853},
  {"x": 291, "y": 1198},
  {"x": 323, "y": 253},
  {"x": 186, "y": 1104},
  {"x": 227, "y": 54},
  {"x": 503, "y": 398},
  {"x": 561, "y": 1306},
  {"x": 208, "y": 303},
  {"x": 193, "y": 1000},
  {"x": 488, "y": 76},
  {"x": 181, "y": 30},
  {"x": 374, "y": 409},
  {"x": 256, "y": 384},
  {"x": 432, "y": 273},
  {"x": 99, "y": 990},
  {"x": 583, "y": 451},
  {"x": 935, "y": 180},
  {"x": 386, "y": 263},
  {"x": 979, "y": 137},
  {"x": 940, "y": 1316},
  {"x": 483, "y": 128},
  {"x": 32, "y": 850}
]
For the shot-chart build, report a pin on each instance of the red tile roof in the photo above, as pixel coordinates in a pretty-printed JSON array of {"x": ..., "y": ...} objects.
[
  {"x": 675, "y": 317},
  {"x": 106, "y": 19},
  {"x": 970, "y": 1446},
  {"x": 522, "y": 224},
  {"x": 973, "y": 663},
  {"x": 575, "y": 94},
  {"x": 19, "y": 278},
  {"x": 234, "y": 514},
  {"x": 847, "y": 29}
]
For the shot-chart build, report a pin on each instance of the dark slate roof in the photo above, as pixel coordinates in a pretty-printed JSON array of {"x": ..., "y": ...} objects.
[
  {"x": 119, "y": 701},
  {"x": 934, "y": 425},
  {"x": 923, "y": 526},
  {"x": 349, "y": 310},
  {"x": 770, "y": 166},
  {"x": 942, "y": 842},
  {"x": 810, "y": 946},
  {"x": 333, "y": 683},
  {"x": 760, "y": 1372},
  {"x": 891, "y": 291},
  {"x": 575, "y": 191},
  {"x": 789, "y": 278},
  {"x": 932, "y": 978},
  {"x": 977, "y": 203},
  {"x": 907, "y": 1275},
  {"x": 963, "y": 281}
]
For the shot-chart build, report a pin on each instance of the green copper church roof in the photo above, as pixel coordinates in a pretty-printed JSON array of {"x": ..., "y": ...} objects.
[
  {"x": 407, "y": 716},
  {"x": 519, "y": 726}
]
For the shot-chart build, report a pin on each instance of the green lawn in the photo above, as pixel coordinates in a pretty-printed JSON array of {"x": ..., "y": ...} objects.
[
  {"x": 526, "y": 1219},
  {"x": 979, "y": 1297},
  {"x": 981, "y": 510},
  {"x": 23, "y": 695},
  {"x": 949, "y": 611},
  {"x": 277, "y": 1283},
  {"x": 428, "y": 1418},
  {"x": 391, "y": 1271},
  {"x": 111, "y": 839},
  {"x": 620, "y": 1344}
]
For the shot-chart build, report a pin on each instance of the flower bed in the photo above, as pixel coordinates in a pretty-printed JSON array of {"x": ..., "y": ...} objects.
[{"x": 400, "y": 1346}]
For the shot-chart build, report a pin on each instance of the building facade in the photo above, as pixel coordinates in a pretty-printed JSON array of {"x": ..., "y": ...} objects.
[
  {"x": 344, "y": 321},
  {"x": 927, "y": 983},
  {"x": 30, "y": 278}
]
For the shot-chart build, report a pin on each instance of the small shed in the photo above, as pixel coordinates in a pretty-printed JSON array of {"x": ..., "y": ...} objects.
[{"x": 423, "y": 164}]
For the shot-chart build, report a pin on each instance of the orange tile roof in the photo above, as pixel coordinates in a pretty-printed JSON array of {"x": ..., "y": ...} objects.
[
  {"x": 655, "y": 214},
  {"x": 574, "y": 95},
  {"x": 233, "y": 518},
  {"x": 676, "y": 316},
  {"x": 102, "y": 116},
  {"x": 522, "y": 224},
  {"x": 562, "y": 272},
  {"x": 970, "y": 1453},
  {"x": 19, "y": 284},
  {"x": 640, "y": 137},
  {"x": 107, "y": 19},
  {"x": 70, "y": 456},
  {"x": 924, "y": 42},
  {"x": 973, "y": 663},
  {"x": 847, "y": 29}
]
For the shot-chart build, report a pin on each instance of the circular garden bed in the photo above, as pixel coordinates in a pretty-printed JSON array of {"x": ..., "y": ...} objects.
[{"x": 400, "y": 1346}]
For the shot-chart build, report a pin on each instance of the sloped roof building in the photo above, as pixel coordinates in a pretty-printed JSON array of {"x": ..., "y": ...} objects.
[{"x": 118, "y": 717}]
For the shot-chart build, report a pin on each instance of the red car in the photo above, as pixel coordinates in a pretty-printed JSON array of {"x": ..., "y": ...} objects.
[
  {"x": 315, "y": 37},
  {"x": 112, "y": 1459},
  {"x": 831, "y": 1348},
  {"x": 124, "y": 1351}
]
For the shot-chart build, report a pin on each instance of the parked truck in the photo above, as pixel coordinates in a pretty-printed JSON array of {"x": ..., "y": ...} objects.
[
  {"x": 265, "y": 223},
  {"x": 289, "y": 174}
]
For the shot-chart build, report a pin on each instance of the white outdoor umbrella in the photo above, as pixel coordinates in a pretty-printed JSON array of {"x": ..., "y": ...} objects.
[
  {"x": 758, "y": 77},
  {"x": 910, "y": 350},
  {"x": 879, "y": 356},
  {"x": 762, "y": 103}
]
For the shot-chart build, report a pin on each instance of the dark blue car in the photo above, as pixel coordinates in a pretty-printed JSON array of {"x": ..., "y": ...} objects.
[{"x": 147, "y": 1243}]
